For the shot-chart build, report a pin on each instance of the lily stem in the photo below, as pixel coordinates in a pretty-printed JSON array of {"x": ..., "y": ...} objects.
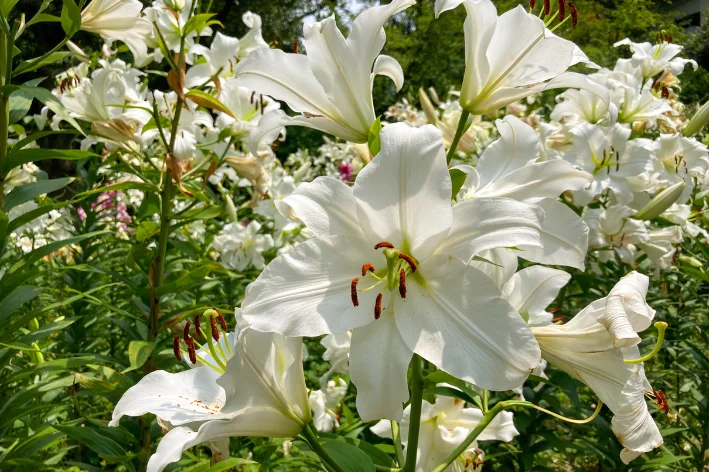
[
  {"x": 311, "y": 438},
  {"x": 416, "y": 403},
  {"x": 462, "y": 125},
  {"x": 489, "y": 416}
]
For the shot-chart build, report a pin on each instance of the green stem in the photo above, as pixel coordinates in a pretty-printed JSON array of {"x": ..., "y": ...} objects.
[
  {"x": 5, "y": 66},
  {"x": 396, "y": 436},
  {"x": 312, "y": 438},
  {"x": 489, "y": 416},
  {"x": 416, "y": 403},
  {"x": 462, "y": 125}
]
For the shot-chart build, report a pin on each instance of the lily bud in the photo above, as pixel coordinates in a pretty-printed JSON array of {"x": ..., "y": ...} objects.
[
  {"x": 661, "y": 202},
  {"x": 177, "y": 5},
  {"x": 698, "y": 121},
  {"x": 78, "y": 52},
  {"x": 691, "y": 261},
  {"x": 428, "y": 107}
]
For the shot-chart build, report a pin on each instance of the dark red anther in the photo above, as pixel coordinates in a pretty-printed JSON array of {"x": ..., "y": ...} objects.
[
  {"x": 186, "y": 331},
  {"x": 665, "y": 92},
  {"x": 547, "y": 7},
  {"x": 251, "y": 101},
  {"x": 295, "y": 47},
  {"x": 382, "y": 244},
  {"x": 662, "y": 404},
  {"x": 574, "y": 14},
  {"x": 378, "y": 307},
  {"x": 353, "y": 291},
  {"x": 197, "y": 328},
  {"x": 263, "y": 107},
  {"x": 191, "y": 350},
  {"x": 222, "y": 321},
  {"x": 410, "y": 261},
  {"x": 532, "y": 4},
  {"x": 176, "y": 348},
  {"x": 215, "y": 331},
  {"x": 402, "y": 283},
  {"x": 367, "y": 268},
  {"x": 562, "y": 10}
]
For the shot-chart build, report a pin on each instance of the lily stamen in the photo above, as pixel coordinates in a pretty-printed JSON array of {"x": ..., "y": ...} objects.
[
  {"x": 385, "y": 244},
  {"x": 197, "y": 328},
  {"x": 353, "y": 291},
  {"x": 662, "y": 404},
  {"x": 410, "y": 261},
  {"x": 402, "y": 283},
  {"x": 368, "y": 267},
  {"x": 378, "y": 307},
  {"x": 176, "y": 348}
]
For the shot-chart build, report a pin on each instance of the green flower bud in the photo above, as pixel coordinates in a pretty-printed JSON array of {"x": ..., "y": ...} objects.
[
  {"x": 661, "y": 202},
  {"x": 697, "y": 122}
]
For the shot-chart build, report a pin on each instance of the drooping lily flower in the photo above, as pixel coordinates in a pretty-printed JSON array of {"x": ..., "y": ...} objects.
[
  {"x": 513, "y": 56},
  {"x": 331, "y": 86},
  {"x": 389, "y": 261},
  {"x": 593, "y": 346},
  {"x": 444, "y": 425},
  {"x": 655, "y": 58},
  {"x": 252, "y": 386},
  {"x": 119, "y": 20},
  {"x": 509, "y": 168}
]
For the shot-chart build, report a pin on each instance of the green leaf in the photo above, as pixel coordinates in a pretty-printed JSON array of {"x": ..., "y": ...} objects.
[
  {"x": 110, "y": 383},
  {"x": 694, "y": 273},
  {"x": 120, "y": 186},
  {"x": 27, "y": 192},
  {"x": 457, "y": 179},
  {"x": 44, "y": 18},
  {"x": 17, "y": 298},
  {"x": 23, "y": 156},
  {"x": 444, "y": 377},
  {"x": 197, "y": 23},
  {"x": 35, "y": 136},
  {"x": 208, "y": 101},
  {"x": 146, "y": 230},
  {"x": 378, "y": 456},
  {"x": 4, "y": 224},
  {"x": 201, "y": 213},
  {"x": 95, "y": 440},
  {"x": 138, "y": 354},
  {"x": 21, "y": 101},
  {"x": 190, "y": 278},
  {"x": 34, "y": 64},
  {"x": 6, "y": 6},
  {"x": 71, "y": 17},
  {"x": 347, "y": 456},
  {"x": 149, "y": 206},
  {"x": 31, "y": 215},
  {"x": 670, "y": 431},
  {"x": 374, "y": 140},
  {"x": 229, "y": 464},
  {"x": 53, "y": 103}
]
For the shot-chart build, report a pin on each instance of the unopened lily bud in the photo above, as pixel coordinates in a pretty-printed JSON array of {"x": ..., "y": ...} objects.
[
  {"x": 428, "y": 107},
  {"x": 177, "y": 5},
  {"x": 691, "y": 261},
  {"x": 77, "y": 51},
  {"x": 698, "y": 121},
  {"x": 661, "y": 202},
  {"x": 434, "y": 95},
  {"x": 117, "y": 129}
]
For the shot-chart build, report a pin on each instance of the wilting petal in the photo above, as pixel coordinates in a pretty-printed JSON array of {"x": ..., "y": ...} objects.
[
  {"x": 533, "y": 289},
  {"x": 184, "y": 397},
  {"x": 458, "y": 316},
  {"x": 379, "y": 361},
  {"x": 404, "y": 193},
  {"x": 306, "y": 292},
  {"x": 627, "y": 312},
  {"x": 389, "y": 67},
  {"x": 489, "y": 223},
  {"x": 564, "y": 237},
  {"x": 326, "y": 205}
]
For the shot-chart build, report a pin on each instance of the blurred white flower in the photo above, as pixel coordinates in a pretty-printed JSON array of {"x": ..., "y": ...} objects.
[
  {"x": 655, "y": 58},
  {"x": 241, "y": 245}
]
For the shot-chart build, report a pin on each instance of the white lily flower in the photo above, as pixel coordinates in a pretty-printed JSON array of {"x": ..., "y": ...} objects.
[
  {"x": 592, "y": 348},
  {"x": 681, "y": 214},
  {"x": 444, "y": 425},
  {"x": 261, "y": 392},
  {"x": 612, "y": 230},
  {"x": 679, "y": 158},
  {"x": 337, "y": 353},
  {"x": 325, "y": 403},
  {"x": 247, "y": 108},
  {"x": 584, "y": 106},
  {"x": 532, "y": 289},
  {"x": 171, "y": 26},
  {"x": 421, "y": 297},
  {"x": 513, "y": 56},
  {"x": 331, "y": 86},
  {"x": 655, "y": 58},
  {"x": 509, "y": 168},
  {"x": 661, "y": 246},
  {"x": 119, "y": 20},
  {"x": 612, "y": 160},
  {"x": 240, "y": 246},
  {"x": 637, "y": 103}
]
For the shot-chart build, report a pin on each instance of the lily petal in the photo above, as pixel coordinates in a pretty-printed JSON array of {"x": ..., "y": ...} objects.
[
  {"x": 488, "y": 223},
  {"x": 460, "y": 315},
  {"x": 564, "y": 237},
  {"x": 389, "y": 67},
  {"x": 306, "y": 292},
  {"x": 403, "y": 194},
  {"x": 532, "y": 289},
  {"x": 379, "y": 360}
]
